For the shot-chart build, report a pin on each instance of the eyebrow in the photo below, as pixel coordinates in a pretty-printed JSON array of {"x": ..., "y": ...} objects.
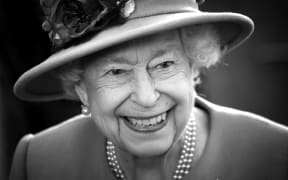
[{"x": 155, "y": 54}]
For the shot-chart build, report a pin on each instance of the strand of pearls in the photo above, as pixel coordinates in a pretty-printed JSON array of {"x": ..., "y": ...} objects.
[
  {"x": 188, "y": 150},
  {"x": 184, "y": 162},
  {"x": 113, "y": 162}
]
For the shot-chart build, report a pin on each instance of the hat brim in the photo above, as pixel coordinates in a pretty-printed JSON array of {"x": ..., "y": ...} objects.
[{"x": 38, "y": 85}]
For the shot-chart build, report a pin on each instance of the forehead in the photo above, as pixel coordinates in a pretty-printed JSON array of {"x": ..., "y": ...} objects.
[{"x": 141, "y": 48}]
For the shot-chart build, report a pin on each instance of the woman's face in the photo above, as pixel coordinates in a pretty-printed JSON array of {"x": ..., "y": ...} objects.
[{"x": 141, "y": 93}]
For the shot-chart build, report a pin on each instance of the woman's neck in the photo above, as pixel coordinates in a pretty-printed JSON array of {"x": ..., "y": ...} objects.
[
  {"x": 159, "y": 167},
  {"x": 150, "y": 168}
]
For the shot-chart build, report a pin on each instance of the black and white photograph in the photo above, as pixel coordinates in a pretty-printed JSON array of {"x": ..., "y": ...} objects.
[{"x": 143, "y": 90}]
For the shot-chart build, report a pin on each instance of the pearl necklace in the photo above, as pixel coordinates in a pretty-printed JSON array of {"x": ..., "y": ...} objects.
[{"x": 184, "y": 162}]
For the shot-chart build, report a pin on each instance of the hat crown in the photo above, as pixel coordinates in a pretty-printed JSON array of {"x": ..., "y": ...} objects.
[{"x": 66, "y": 20}]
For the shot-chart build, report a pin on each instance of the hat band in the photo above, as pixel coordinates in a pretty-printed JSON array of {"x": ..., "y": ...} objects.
[{"x": 146, "y": 8}]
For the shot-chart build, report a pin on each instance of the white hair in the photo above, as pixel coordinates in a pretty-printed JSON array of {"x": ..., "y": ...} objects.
[{"x": 201, "y": 45}]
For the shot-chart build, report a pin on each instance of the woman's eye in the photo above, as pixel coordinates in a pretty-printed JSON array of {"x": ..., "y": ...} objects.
[
  {"x": 165, "y": 64},
  {"x": 116, "y": 72}
]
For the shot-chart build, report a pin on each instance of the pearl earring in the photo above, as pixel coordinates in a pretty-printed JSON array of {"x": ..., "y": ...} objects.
[{"x": 85, "y": 110}]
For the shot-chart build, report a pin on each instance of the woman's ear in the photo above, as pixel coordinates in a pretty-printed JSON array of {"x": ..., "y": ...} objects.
[{"x": 82, "y": 93}]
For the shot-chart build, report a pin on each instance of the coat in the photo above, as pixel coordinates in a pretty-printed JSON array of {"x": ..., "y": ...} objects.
[{"x": 240, "y": 146}]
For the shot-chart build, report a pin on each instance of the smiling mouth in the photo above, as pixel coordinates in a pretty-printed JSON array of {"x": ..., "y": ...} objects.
[{"x": 147, "y": 124}]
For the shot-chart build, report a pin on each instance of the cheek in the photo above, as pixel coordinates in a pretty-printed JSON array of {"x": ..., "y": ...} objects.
[
  {"x": 180, "y": 89},
  {"x": 103, "y": 103},
  {"x": 184, "y": 98},
  {"x": 180, "y": 86}
]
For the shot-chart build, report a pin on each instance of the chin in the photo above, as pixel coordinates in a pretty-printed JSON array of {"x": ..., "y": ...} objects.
[{"x": 150, "y": 149}]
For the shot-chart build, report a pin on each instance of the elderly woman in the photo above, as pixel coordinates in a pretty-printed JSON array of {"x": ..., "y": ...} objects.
[{"x": 134, "y": 66}]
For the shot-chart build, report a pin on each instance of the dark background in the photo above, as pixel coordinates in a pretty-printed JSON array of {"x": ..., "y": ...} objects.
[{"x": 253, "y": 77}]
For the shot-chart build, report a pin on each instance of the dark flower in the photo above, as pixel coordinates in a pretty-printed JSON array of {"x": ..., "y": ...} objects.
[{"x": 70, "y": 19}]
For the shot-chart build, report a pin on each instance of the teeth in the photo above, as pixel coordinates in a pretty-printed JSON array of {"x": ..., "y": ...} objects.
[
  {"x": 154, "y": 120},
  {"x": 148, "y": 122},
  {"x": 164, "y": 116},
  {"x": 159, "y": 118},
  {"x": 133, "y": 122}
]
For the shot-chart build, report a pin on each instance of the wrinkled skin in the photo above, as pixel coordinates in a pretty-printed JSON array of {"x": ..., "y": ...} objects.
[{"x": 141, "y": 78}]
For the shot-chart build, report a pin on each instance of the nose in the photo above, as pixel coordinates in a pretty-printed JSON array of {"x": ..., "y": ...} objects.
[{"x": 144, "y": 92}]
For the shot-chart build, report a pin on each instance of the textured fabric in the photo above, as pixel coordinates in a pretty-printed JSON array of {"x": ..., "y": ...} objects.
[{"x": 240, "y": 146}]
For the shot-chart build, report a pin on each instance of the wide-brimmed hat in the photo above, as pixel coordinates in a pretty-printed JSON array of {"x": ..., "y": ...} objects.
[{"x": 78, "y": 28}]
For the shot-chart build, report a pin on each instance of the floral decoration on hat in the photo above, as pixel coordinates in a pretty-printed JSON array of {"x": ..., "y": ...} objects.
[{"x": 69, "y": 19}]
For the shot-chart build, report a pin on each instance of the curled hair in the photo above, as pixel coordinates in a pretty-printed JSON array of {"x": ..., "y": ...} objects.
[
  {"x": 70, "y": 75},
  {"x": 201, "y": 45}
]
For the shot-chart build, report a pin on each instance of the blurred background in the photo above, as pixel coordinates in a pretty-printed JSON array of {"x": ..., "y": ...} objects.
[{"x": 254, "y": 77}]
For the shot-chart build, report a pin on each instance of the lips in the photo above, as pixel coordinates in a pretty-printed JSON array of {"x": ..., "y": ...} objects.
[{"x": 147, "y": 124}]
